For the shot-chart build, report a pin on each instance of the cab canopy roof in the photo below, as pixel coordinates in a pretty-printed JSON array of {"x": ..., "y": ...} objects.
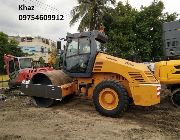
[{"x": 91, "y": 34}]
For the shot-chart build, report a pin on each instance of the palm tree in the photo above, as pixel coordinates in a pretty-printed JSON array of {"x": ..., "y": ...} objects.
[{"x": 90, "y": 12}]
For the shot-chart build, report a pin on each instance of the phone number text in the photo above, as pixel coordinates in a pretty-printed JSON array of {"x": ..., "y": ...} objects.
[{"x": 41, "y": 17}]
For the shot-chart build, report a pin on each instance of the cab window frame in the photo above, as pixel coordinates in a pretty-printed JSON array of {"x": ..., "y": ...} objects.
[
  {"x": 16, "y": 64},
  {"x": 11, "y": 66},
  {"x": 78, "y": 53}
]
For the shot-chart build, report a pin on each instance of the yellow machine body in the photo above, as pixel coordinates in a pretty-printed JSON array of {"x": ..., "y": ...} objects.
[
  {"x": 168, "y": 72},
  {"x": 140, "y": 83}
]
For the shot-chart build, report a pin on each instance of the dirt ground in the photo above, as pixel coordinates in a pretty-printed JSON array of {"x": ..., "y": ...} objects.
[{"x": 77, "y": 119}]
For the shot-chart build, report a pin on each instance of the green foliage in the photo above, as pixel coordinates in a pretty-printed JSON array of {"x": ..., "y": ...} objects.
[
  {"x": 42, "y": 61},
  {"x": 59, "y": 62},
  {"x": 8, "y": 47},
  {"x": 149, "y": 30},
  {"x": 119, "y": 26},
  {"x": 135, "y": 33},
  {"x": 90, "y": 12}
]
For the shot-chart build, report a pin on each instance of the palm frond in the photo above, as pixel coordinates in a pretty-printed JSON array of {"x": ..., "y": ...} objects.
[
  {"x": 84, "y": 24},
  {"x": 91, "y": 11}
]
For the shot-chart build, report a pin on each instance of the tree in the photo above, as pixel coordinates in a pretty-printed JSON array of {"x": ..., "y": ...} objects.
[
  {"x": 136, "y": 33},
  {"x": 119, "y": 26},
  {"x": 8, "y": 47},
  {"x": 52, "y": 57},
  {"x": 90, "y": 12},
  {"x": 149, "y": 30},
  {"x": 42, "y": 61}
]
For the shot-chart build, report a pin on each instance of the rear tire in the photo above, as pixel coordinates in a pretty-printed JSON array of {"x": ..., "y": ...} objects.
[
  {"x": 175, "y": 98},
  {"x": 110, "y": 98}
]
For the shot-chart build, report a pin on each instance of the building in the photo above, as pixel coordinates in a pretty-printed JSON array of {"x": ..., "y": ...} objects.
[
  {"x": 36, "y": 47},
  {"x": 171, "y": 38}
]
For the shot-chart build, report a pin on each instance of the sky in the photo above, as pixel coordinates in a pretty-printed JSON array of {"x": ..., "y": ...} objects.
[{"x": 52, "y": 29}]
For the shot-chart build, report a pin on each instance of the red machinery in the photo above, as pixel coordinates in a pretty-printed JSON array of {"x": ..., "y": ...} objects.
[{"x": 20, "y": 68}]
